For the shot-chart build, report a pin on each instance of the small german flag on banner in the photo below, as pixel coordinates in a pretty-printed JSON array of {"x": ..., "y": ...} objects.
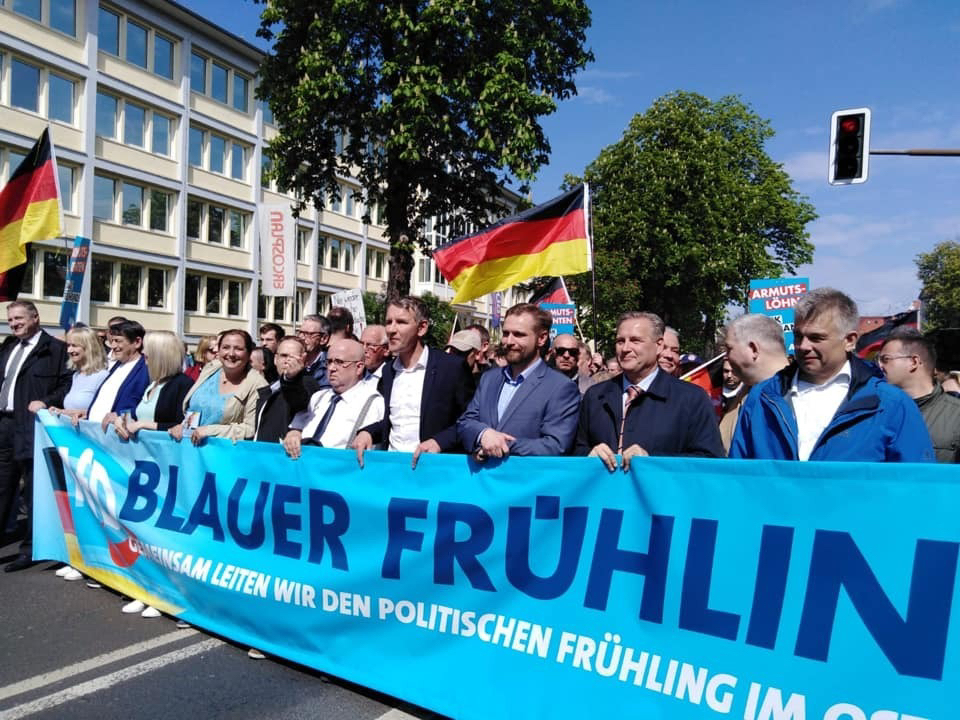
[
  {"x": 550, "y": 239},
  {"x": 29, "y": 204}
]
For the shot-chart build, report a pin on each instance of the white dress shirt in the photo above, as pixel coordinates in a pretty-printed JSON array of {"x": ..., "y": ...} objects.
[
  {"x": 405, "y": 398},
  {"x": 30, "y": 346},
  {"x": 345, "y": 414},
  {"x": 815, "y": 406},
  {"x": 107, "y": 394}
]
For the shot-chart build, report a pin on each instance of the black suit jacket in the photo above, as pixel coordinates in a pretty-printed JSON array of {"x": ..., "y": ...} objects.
[
  {"x": 276, "y": 407},
  {"x": 447, "y": 390},
  {"x": 43, "y": 376},
  {"x": 169, "y": 409},
  {"x": 672, "y": 418}
]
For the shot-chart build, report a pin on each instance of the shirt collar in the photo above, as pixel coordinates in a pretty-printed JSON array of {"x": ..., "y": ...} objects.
[
  {"x": 842, "y": 377},
  {"x": 420, "y": 364},
  {"x": 522, "y": 376},
  {"x": 644, "y": 384}
]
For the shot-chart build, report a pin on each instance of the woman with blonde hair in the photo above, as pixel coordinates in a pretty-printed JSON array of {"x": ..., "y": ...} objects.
[{"x": 206, "y": 352}]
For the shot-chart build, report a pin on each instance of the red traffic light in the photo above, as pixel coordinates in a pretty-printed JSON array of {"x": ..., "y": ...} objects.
[
  {"x": 850, "y": 124},
  {"x": 849, "y": 146}
]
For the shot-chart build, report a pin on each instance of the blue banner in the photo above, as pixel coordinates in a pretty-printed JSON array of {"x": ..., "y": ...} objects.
[
  {"x": 535, "y": 587},
  {"x": 777, "y": 298},
  {"x": 563, "y": 316},
  {"x": 74, "y": 282}
]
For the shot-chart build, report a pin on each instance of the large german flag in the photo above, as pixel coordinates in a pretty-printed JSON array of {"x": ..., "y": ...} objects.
[
  {"x": 550, "y": 239},
  {"x": 29, "y": 204}
]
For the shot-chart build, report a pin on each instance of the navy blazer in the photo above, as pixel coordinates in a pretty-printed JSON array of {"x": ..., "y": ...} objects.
[
  {"x": 447, "y": 388},
  {"x": 43, "y": 376},
  {"x": 673, "y": 417},
  {"x": 542, "y": 414},
  {"x": 131, "y": 389}
]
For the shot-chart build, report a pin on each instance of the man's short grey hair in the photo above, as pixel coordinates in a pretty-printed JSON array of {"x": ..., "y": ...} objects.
[
  {"x": 822, "y": 300},
  {"x": 760, "y": 329},
  {"x": 324, "y": 323},
  {"x": 671, "y": 329},
  {"x": 655, "y": 320}
]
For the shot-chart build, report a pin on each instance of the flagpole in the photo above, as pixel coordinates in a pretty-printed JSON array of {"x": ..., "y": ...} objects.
[
  {"x": 697, "y": 369},
  {"x": 593, "y": 272}
]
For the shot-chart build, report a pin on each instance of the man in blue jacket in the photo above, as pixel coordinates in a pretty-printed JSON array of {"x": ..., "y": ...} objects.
[
  {"x": 833, "y": 406},
  {"x": 526, "y": 408}
]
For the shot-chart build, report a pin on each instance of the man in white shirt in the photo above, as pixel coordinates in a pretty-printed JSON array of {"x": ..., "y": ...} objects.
[
  {"x": 425, "y": 390},
  {"x": 335, "y": 414},
  {"x": 833, "y": 406}
]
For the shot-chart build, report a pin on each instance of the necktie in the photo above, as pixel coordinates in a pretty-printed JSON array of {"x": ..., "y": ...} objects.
[
  {"x": 11, "y": 375},
  {"x": 632, "y": 394},
  {"x": 325, "y": 420}
]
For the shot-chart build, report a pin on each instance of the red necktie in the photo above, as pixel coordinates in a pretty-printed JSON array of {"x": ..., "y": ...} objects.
[{"x": 632, "y": 394}]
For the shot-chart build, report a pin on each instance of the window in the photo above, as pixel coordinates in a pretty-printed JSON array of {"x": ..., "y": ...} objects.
[
  {"x": 321, "y": 251},
  {"x": 194, "y": 218},
  {"x": 156, "y": 288},
  {"x": 191, "y": 296},
  {"x": 240, "y": 85},
  {"x": 161, "y": 134},
  {"x": 215, "y": 218},
  {"x": 136, "y": 44},
  {"x": 261, "y": 305},
  {"x": 65, "y": 180},
  {"x": 265, "y": 166},
  {"x": 237, "y": 161},
  {"x": 267, "y": 112},
  {"x": 134, "y": 121},
  {"x": 106, "y": 115},
  {"x": 198, "y": 73},
  {"x": 108, "y": 31},
  {"x": 196, "y": 147},
  {"x": 279, "y": 308},
  {"x": 303, "y": 241},
  {"x": 348, "y": 257},
  {"x": 337, "y": 202},
  {"x": 54, "y": 273},
  {"x": 25, "y": 86},
  {"x": 214, "y": 288},
  {"x": 26, "y": 288},
  {"x": 334, "y": 253},
  {"x": 103, "y": 189},
  {"x": 218, "y": 153},
  {"x": 350, "y": 203},
  {"x": 101, "y": 280},
  {"x": 159, "y": 210},
  {"x": 162, "y": 56},
  {"x": 132, "y": 204},
  {"x": 218, "y": 82},
  {"x": 129, "y": 284},
  {"x": 60, "y": 91},
  {"x": 424, "y": 271},
  {"x": 237, "y": 228},
  {"x": 63, "y": 16},
  {"x": 28, "y": 8},
  {"x": 234, "y": 298}
]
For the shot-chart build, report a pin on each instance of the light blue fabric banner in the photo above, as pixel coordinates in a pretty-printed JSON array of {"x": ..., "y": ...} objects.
[{"x": 536, "y": 587}]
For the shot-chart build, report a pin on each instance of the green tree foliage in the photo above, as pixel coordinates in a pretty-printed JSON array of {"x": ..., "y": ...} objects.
[
  {"x": 939, "y": 271},
  {"x": 441, "y": 315},
  {"x": 434, "y": 102},
  {"x": 687, "y": 208}
]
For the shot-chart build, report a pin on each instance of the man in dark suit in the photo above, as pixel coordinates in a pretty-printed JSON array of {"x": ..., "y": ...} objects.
[
  {"x": 278, "y": 402},
  {"x": 645, "y": 411},
  {"x": 526, "y": 408},
  {"x": 35, "y": 376},
  {"x": 425, "y": 391}
]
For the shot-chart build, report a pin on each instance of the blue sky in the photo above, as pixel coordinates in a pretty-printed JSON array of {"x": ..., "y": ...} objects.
[{"x": 794, "y": 63}]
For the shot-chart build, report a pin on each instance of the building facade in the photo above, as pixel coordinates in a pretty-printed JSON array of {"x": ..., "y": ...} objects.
[{"x": 160, "y": 151}]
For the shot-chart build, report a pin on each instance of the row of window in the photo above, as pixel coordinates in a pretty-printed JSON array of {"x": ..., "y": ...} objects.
[
  {"x": 135, "y": 42},
  {"x": 134, "y": 204},
  {"x": 133, "y": 124},
  {"x": 211, "y": 223},
  {"x": 37, "y": 89},
  {"x": 61, "y": 15},
  {"x": 218, "y": 154},
  {"x": 220, "y": 82}
]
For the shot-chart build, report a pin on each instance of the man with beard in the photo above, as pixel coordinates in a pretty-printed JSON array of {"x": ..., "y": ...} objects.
[{"x": 526, "y": 408}]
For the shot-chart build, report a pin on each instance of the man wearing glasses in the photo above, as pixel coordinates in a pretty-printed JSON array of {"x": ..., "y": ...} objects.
[
  {"x": 566, "y": 355},
  {"x": 375, "y": 351},
  {"x": 335, "y": 414},
  {"x": 907, "y": 359},
  {"x": 315, "y": 333},
  {"x": 832, "y": 406}
]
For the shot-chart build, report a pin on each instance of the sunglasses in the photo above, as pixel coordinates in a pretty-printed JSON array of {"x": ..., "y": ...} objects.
[{"x": 572, "y": 352}]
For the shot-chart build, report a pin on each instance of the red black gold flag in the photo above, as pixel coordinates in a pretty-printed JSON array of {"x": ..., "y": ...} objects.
[
  {"x": 710, "y": 381},
  {"x": 549, "y": 239},
  {"x": 29, "y": 204},
  {"x": 555, "y": 292}
]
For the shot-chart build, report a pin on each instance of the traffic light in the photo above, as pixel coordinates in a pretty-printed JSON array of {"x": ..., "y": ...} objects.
[{"x": 849, "y": 146}]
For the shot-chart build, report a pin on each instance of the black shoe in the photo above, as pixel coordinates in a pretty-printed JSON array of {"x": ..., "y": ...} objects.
[{"x": 21, "y": 563}]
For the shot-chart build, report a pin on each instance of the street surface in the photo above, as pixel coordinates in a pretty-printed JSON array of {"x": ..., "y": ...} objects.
[{"x": 68, "y": 652}]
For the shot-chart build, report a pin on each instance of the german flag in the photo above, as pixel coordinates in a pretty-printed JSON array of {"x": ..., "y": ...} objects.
[
  {"x": 550, "y": 239},
  {"x": 29, "y": 204}
]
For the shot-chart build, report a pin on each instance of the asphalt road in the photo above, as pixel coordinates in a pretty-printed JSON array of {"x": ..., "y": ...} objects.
[{"x": 66, "y": 651}]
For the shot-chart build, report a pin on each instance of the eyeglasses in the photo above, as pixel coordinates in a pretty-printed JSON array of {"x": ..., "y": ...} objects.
[
  {"x": 338, "y": 363},
  {"x": 572, "y": 352},
  {"x": 306, "y": 333},
  {"x": 374, "y": 346},
  {"x": 884, "y": 359}
]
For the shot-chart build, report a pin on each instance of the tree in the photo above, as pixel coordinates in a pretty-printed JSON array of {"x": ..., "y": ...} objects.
[
  {"x": 939, "y": 271},
  {"x": 430, "y": 104},
  {"x": 688, "y": 207}
]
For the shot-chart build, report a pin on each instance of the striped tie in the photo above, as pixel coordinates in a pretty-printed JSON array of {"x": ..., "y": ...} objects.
[{"x": 632, "y": 394}]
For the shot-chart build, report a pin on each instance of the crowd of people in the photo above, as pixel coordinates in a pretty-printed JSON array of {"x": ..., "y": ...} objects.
[{"x": 388, "y": 389}]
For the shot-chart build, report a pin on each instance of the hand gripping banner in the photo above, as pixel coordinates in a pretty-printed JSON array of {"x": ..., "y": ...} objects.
[{"x": 534, "y": 588}]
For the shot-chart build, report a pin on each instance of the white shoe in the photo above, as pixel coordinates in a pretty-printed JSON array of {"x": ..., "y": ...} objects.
[
  {"x": 63, "y": 571},
  {"x": 134, "y": 606},
  {"x": 72, "y": 574},
  {"x": 93, "y": 584},
  {"x": 255, "y": 654},
  {"x": 150, "y": 612}
]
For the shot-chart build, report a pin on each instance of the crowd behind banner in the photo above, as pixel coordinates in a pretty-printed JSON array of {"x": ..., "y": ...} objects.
[{"x": 525, "y": 395}]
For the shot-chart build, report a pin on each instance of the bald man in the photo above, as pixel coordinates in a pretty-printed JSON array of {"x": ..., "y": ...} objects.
[{"x": 335, "y": 414}]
